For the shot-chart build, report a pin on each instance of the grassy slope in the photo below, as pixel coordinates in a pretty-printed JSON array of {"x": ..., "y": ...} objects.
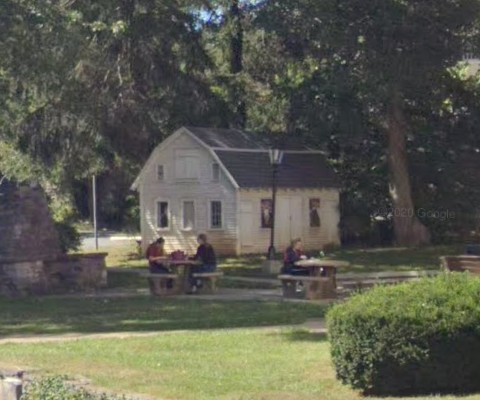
[
  {"x": 245, "y": 364},
  {"x": 143, "y": 314}
]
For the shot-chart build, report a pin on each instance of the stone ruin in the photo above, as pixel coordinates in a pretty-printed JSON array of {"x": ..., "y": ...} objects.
[
  {"x": 11, "y": 385},
  {"x": 31, "y": 262}
]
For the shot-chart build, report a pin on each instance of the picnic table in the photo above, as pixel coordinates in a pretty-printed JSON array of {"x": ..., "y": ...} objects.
[
  {"x": 321, "y": 280},
  {"x": 323, "y": 271},
  {"x": 181, "y": 271}
]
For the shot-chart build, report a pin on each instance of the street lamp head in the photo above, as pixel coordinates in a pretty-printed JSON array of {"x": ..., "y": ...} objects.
[{"x": 276, "y": 156}]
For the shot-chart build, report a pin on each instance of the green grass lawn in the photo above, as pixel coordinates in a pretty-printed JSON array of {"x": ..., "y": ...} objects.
[
  {"x": 143, "y": 314},
  {"x": 223, "y": 365},
  {"x": 204, "y": 349},
  {"x": 378, "y": 260},
  {"x": 125, "y": 256}
]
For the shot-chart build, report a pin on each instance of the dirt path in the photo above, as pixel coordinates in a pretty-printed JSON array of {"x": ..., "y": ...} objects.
[{"x": 316, "y": 326}]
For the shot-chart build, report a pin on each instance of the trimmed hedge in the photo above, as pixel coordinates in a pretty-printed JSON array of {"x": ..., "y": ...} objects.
[
  {"x": 56, "y": 388},
  {"x": 410, "y": 339}
]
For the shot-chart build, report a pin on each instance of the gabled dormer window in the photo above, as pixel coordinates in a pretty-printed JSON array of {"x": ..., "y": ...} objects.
[
  {"x": 215, "y": 172},
  {"x": 186, "y": 165}
]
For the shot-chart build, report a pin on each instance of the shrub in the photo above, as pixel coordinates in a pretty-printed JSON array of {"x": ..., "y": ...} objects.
[
  {"x": 55, "y": 388},
  {"x": 410, "y": 339},
  {"x": 68, "y": 236},
  {"x": 330, "y": 247}
]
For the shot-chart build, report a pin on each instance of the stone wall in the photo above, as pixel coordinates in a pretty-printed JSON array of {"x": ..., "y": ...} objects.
[
  {"x": 68, "y": 273},
  {"x": 27, "y": 231},
  {"x": 11, "y": 384},
  {"x": 31, "y": 262},
  {"x": 77, "y": 272}
]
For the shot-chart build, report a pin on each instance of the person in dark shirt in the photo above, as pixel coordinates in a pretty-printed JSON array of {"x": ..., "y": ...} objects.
[
  {"x": 156, "y": 256},
  {"x": 293, "y": 254},
  {"x": 206, "y": 256}
]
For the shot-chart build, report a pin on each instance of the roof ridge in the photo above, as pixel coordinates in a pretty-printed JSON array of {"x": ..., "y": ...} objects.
[{"x": 266, "y": 150}]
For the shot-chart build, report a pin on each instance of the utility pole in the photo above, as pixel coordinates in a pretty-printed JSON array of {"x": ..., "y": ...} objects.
[{"x": 94, "y": 194}]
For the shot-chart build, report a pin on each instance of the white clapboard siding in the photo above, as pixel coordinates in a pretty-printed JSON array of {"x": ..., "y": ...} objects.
[
  {"x": 201, "y": 191},
  {"x": 241, "y": 232},
  {"x": 313, "y": 238}
]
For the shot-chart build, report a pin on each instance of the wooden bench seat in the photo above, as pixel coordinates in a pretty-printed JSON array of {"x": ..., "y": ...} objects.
[
  {"x": 461, "y": 263},
  {"x": 209, "y": 281},
  {"x": 207, "y": 275},
  {"x": 302, "y": 278},
  {"x": 159, "y": 284},
  {"x": 317, "y": 287},
  {"x": 473, "y": 269},
  {"x": 159, "y": 276}
]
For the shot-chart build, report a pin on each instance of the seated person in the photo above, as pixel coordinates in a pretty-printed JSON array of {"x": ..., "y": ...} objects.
[
  {"x": 206, "y": 255},
  {"x": 156, "y": 255},
  {"x": 293, "y": 254}
]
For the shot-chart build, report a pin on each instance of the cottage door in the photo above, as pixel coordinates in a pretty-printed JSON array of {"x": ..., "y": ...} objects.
[
  {"x": 296, "y": 217},
  {"x": 246, "y": 223},
  {"x": 288, "y": 220},
  {"x": 282, "y": 222}
]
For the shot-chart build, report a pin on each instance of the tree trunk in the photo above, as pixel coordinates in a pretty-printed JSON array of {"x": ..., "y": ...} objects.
[
  {"x": 408, "y": 229},
  {"x": 236, "y": 61}
]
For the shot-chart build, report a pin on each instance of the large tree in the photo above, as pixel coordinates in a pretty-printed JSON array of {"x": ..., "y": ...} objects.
[
  {"x": 394, "y": 52},
  {"x": 91, "y": 87}
]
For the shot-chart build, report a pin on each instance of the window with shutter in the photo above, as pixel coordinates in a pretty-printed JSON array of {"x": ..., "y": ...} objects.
[
  {"x": 163, "y": 215},
  {"x": 216, "y": 215},
  {"x": 186, "y": 165}
]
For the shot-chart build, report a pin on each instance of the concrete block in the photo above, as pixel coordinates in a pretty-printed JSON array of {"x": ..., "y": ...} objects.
[
  {"x": 272, "y": 266},
  {"x": 11, "y": 389}
]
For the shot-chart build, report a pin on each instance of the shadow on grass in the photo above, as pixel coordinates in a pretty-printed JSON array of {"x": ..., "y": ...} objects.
[
  {"x": 305, "y": 336},
  {"x": 121, "y": 280},
  {"x": 143, "y": 314}
]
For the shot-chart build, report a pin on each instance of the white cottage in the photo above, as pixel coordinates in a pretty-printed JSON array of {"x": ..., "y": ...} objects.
[{"x": 218, "y": 181}]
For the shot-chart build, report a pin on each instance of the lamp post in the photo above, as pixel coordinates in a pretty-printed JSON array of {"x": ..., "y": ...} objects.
[{"x": 276, "y": 157}]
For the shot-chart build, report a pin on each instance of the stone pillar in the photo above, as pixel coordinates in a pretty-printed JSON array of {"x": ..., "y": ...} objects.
[
  {"x": 28, "y": 239},
  {"x": 11, "y": 384},
  {"x": 271, "y": 266},
  {"x": 26, "y": 227},
  {"x": 11, "y": 389}
]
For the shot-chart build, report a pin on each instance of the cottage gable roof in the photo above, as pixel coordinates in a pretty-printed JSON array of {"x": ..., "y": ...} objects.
[
  {"x": 298, "y": 170},
  {"x": 244, "y": 158}
]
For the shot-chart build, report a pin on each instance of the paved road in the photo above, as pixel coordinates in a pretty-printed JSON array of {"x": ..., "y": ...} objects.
[{"x": 107, "y": 240}]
